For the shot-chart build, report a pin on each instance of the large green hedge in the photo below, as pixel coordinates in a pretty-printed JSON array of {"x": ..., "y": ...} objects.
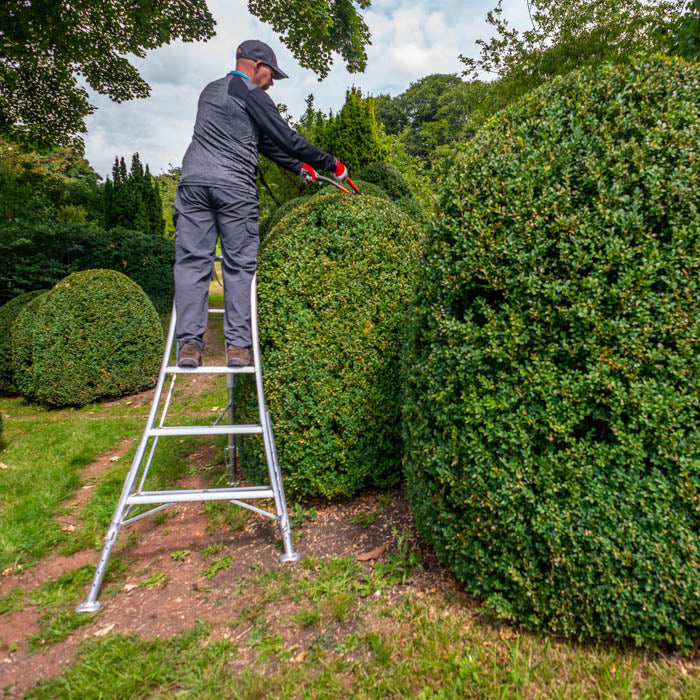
[
  {"x": 95, "y": 334},
  {"x": 8, "y": 315},
  {"x": 38, "y": 256},
  {"x": 270, "y": 221},
  {"x": 334, "y": 284},
  {"x": 553, "y": 374}
]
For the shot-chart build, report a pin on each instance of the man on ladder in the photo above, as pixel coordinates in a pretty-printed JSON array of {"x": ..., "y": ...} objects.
[{"x": 217, "y": 193}]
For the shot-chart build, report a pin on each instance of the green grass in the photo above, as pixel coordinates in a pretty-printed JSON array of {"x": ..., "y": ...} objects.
[
  {"x": 218, "y": 565},
  {"x": 45, "y": 454},
  {"x": 420, "y": 646}
]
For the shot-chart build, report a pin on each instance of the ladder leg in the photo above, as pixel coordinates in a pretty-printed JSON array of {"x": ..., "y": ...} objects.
[
  {"x": 268, "y": 436},
  {"x": 278, "y": 490},
  {"x": 91, "y": 604},
  {"x": 232, "y": 448}
]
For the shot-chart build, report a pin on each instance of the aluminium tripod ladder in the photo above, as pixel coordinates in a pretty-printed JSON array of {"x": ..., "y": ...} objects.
[{"x": 239, "y": 495}]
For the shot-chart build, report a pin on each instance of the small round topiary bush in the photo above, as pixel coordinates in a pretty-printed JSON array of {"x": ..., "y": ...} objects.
[
  {"x": 388, "y": 178},
  {"x": 334, "y": 284},
  {"x": 23, "y": 346},
  {"x": 553, "y": 374},
  {"x": 95, "y": 334},
  {"x": 8, "y": 316}
]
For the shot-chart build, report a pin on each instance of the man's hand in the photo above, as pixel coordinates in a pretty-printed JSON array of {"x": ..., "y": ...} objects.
[
  {"x": 341, "y": 172},
  {"x": 307, "y": 174}
]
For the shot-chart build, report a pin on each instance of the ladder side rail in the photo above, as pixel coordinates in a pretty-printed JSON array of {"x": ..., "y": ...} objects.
[
  {"x": 91, "y": 603},
  {"x": 268, "y": 438},
  {"x": 149, "y": 459}
]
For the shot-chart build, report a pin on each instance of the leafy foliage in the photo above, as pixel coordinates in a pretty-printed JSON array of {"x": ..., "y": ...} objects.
[
  {"x": 684, "y": 35},
  {"x": 8, "y": 316},
  {"x": 553, "y": 452},
  {"x": 35, "y": 186},
  {"x": 23, "y": 346},
  {"x": 334, "y": 287},
  {"x": 271, "y": 220},
  {"x": 408, "y": 114},
  {"x": 95, "y": 334},
  {"x": 566, "y": 35},
  {"x": 314, "y": 29},
  {"x": 38, "y": 256},
  {"x": 388, "y": 178},
  {"x": 47, "y": 47}
]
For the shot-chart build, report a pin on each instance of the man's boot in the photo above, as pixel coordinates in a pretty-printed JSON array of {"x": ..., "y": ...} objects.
[
  {"x": 238, "y": 357},
  {"x": 189, "y": 355}
]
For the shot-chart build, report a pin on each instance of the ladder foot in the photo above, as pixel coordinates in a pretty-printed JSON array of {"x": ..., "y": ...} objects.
[
  {"x": 294, "y": 556},
  {"x": 89, "y": 607}
]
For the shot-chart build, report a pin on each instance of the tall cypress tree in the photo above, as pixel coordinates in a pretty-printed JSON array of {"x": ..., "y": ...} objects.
[
  {"x": 107, "y": 205},
  {"x": 132, "y": 199},
  {"x": 352, "y": 135}
]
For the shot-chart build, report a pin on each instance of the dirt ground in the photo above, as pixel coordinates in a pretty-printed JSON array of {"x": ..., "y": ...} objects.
[
  {"x": 185, "y": 595},
  {"x": 161, "y": 596}
]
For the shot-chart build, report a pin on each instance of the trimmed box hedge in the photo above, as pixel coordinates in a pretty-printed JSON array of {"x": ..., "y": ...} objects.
[
  {"x": 553, "y": 374},
  {"x": 334, "y": 284},
  {"x": 38, "y": 257},
  {"x": 8, "y": 315},
  {"x": 95, "y": 334}
]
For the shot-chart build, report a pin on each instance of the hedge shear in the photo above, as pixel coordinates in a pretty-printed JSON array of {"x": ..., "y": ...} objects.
[{"x": 338, "y": 185}]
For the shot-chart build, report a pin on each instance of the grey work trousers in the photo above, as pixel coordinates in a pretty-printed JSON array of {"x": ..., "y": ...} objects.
[{"x": 201, "y": 213}]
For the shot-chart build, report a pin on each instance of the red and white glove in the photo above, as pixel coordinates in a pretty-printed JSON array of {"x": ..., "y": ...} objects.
[
  {"x": 341, "y": 172},
  {"x": 307, "y": 174}
]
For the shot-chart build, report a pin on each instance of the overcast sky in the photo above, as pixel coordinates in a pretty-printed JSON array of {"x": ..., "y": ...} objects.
[{"x": 410, "y": 39}]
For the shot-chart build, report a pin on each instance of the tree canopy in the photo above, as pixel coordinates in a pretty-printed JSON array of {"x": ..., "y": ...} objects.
[
  {"x": 49, "y": 49},
  {"x": 315, "y": 29},
  {"x": 566, "y": 34}
]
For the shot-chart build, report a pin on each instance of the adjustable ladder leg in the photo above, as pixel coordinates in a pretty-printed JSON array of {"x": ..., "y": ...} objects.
[
  {"x": 91, "y": 604},
  {"x": 273, "y": 469}
]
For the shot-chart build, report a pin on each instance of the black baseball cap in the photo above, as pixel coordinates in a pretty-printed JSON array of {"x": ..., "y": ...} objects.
[{"x": 255, "y": 50}]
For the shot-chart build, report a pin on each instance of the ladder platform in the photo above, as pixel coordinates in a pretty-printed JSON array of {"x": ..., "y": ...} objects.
[
  {"x": 251, "y": 429},
  {"x": 209, "y": 369},
  {"x": 183, "y": 495}
]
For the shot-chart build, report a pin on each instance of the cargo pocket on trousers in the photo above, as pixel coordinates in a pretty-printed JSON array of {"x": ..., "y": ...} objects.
[{"x": 253, "y": 241}]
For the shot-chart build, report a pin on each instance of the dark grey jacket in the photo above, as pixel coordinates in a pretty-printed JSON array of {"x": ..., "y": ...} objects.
[{"x": 235, "y": 120}]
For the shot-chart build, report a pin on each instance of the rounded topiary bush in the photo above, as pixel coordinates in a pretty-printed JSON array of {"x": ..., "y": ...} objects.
[
  {"x": 269, "y": 222},
  {"x": 364, "y": 187},
  {"x": 552, "y": 374},
  {"x": 8, "y": 315},
  {"x": 334, "y": 285},
  {"x": 95, "y": 334},
  {"x": 388, "y": 178},
  {"x": 22, "y": 334}
]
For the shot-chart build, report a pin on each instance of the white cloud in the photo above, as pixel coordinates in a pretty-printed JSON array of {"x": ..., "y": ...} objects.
[{"x": 410, "y": 39}]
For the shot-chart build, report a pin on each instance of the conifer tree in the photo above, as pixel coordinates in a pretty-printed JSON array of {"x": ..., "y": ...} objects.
[
  {"x": 108, "y": 194},
  {"x": 132, "y": 199},
  {"x": 352, "y": 135}
]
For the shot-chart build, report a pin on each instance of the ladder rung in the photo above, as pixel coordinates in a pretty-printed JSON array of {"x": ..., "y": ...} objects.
[
  {"x": 240, "y": 493},
  {"x": 216, "y": 311},
  {"x": 209, "y": 369},
  {"x": 252, "y": 429}
]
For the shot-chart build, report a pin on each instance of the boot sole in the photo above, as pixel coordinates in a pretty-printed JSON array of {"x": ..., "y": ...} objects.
[
  {"x": 189, "y": 364},
  {"x": 238, "y": 363}
]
